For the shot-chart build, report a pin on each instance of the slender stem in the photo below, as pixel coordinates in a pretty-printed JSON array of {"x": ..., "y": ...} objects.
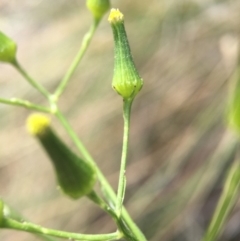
[
  {"x": 13, "y": 214},
  {"x": 125, "y": 222},
  {"x": 74, "y": 137},
  {"x": 25, "y": 103},
  {"x": 30, "y": 80},
  {"x": 122, "y": 177},
  {"x": 33, "y": 228},
  {"x": 106, "y": 187},
  {"x": 85, "y": 43}
]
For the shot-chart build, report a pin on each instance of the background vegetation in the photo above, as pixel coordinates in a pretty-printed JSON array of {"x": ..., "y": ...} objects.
[{"x": 180, "y": 148}]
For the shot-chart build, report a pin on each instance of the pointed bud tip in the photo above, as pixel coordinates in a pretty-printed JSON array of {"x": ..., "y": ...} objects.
[
  {"x": 38, "y": 124},
  {"x": 115, "y": 16}
]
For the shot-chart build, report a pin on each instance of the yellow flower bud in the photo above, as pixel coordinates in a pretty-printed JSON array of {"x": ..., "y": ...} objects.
[
  {"x": 126, "y": 80},
  {"x": 76, "y": 178}
]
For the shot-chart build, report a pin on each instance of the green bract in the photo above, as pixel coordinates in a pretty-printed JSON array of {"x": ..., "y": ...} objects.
[
  {"x": 98, "y": 7},
  {"x": 8, "y": 49},
  {"x": 76, "y": 177},
  {"x": 126, "y": 80}
]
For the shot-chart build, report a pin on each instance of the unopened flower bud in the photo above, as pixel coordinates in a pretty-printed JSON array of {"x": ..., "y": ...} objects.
[
  {"x": 98, "y": 7},
  {"x": 126, "y": 80},
  {"x": 76, "y": 178},
  {"x": 8, "y": 49}
]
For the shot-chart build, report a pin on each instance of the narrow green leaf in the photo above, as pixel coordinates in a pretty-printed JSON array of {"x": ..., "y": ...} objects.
[
  {"x": 226, "y": 202},
  {"x": 234, "y": 102}
]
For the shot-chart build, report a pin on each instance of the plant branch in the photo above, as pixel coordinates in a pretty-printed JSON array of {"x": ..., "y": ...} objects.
[
  {"x": 123, "y": 229},
  {"x": 30, "y": 80},
  {"x": 85, "y": 43},
  {"x": 106, "y": 187},
  {"x": 33, "y": 228},
  {"x": 13, "y": 214},
  {"x": 25, "y": 104},
  {"x": 122, "y": 177},
  {"x": 74, "y": 137}
]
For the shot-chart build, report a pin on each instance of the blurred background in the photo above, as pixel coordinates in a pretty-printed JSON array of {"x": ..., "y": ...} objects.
[{"x": 180, "y": 148}]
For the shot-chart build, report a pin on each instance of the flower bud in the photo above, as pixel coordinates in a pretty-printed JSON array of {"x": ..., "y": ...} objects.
[
  {"x": 98, "y": 7},
  {"x": 1, "y": 212},
  {"x": 76, "y": 177},
  {"x": 8, "y": 49},
  {"x": 126, "y": 80}
]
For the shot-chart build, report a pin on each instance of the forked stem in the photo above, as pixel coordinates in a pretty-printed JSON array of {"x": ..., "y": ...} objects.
[
  {"x": 106, "y": 187},
  {"x": 124, "y": 221}
]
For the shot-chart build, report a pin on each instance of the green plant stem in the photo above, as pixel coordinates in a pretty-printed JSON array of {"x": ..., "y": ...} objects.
[
  {"x": 25, "y": 104},
  {"x": 74, "y": 137},
  {"x": 122, "y": 175},
  {"x": 30, "y": 80},
  {"x": 85, "y": 43},
  {"x": 33, "y": 228},
  {"x": 108, "y": 191},
  {"x": 136, "y": 234},
  {"x": 13, "y": 214}
]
